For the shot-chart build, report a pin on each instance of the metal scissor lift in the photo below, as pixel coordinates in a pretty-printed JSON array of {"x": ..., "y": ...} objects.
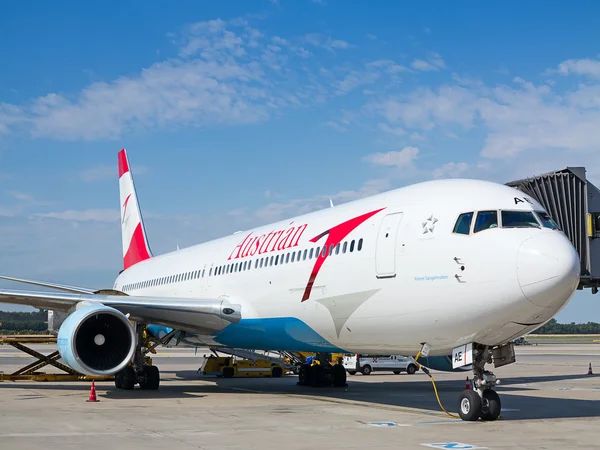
[{"x": 30, "y": 372}]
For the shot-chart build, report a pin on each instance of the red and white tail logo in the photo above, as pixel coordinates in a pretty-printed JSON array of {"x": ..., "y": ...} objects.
[{"x": 135, "y": 243}]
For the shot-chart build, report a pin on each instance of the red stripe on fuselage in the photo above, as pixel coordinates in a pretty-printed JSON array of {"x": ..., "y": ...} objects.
[
  {"x": 334, "y": 236},
  {"x": 137, "y": 250},
  {"x": 123, "y": 164}
]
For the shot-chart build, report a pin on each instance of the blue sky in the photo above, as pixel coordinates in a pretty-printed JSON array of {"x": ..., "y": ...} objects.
[{"x": 239, "y": 113}]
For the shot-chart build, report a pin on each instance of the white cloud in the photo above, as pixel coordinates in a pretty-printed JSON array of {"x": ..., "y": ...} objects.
[
  {"x": 590, "y": 67},
  {"x": 515, "y": 118},
  {"x": 451, "y": 170},
  {"x": 434, "y": 62},
  {"x": 425, "y": 108},
  {"x": 9, "y": 211},
  {"x": 392, "y": 130},
  {"x": 419, "y": 64},
  {"x": 326, "y": 42},
  {"x": 94, "y": 215},
  {"x": 398, "y": 159},
  {"x": 108, "y": 172},
  {"x": 23, "y": 196},
  {"x": 226, "y": 73}
]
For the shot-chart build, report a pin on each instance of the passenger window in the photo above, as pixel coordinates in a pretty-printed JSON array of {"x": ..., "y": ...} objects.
[
  {"x": 310, "y": 254},
  {"x": 344, "y": 246},
  {"x": 293, "y": 256},
  {"x": 360, "y": 242},
  {"x": 304, "y": 255},
  {"x": 317, "y": 252},
  {"x": 330, "y": 249},
  {"x": 486, "y": 220},
  {"x": 352, "y": 246},
  {"x": 276, "y": 259},
  {"x": 463, "y": 223},
  {"x": 324, "y": 251},
  {"x": 287, "y": 258},
  {"x": 519, "y": 219},
  {"x": 337, "y": 249}
]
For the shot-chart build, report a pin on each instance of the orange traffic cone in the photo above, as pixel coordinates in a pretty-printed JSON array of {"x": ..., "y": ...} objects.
[
  {"x": 92, "y": 393},
  {"x": 590, "y": 370},
  {"x": 468, "y": 384}
]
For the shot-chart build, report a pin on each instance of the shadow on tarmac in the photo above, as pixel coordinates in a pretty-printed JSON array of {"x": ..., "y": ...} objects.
[{"x": 415, "y": 392}]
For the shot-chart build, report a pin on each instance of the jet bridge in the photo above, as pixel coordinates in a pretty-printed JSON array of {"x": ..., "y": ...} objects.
[{"x": 574, "y": 204}]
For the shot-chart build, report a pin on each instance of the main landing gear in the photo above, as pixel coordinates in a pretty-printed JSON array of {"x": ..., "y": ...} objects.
[
  {"x": 141, "y": 371},
  {"x": 320, "y": 373},
  {"x": 482, "y": 401}
]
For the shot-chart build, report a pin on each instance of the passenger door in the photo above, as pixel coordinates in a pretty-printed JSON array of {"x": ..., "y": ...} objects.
[{"x": 385, "y": 252}]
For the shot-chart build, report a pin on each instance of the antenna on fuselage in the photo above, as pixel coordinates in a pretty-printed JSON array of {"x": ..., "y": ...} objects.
[{"x": 331, "y": 202}]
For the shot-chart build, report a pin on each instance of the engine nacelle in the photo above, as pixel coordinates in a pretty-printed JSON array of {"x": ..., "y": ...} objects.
[{"x": 96, "y": 340}]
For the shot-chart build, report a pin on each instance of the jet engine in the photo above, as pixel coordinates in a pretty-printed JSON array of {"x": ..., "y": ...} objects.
[{"x": 96, "y": 340}]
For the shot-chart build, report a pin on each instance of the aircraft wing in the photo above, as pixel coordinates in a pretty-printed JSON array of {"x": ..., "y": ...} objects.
[
  {"x": 60, "y": 287},
  {"x": 198, "y": 315}
]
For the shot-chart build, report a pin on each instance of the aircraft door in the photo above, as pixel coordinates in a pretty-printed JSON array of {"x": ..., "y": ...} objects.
[{"x": 385, "y": 252}]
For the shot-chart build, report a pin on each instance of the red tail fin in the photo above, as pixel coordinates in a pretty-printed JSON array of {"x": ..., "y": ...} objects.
[{"x": 135, "y": 243}]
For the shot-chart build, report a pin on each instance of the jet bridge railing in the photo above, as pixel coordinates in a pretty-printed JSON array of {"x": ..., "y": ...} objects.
[{"x": 574, "y": 204}]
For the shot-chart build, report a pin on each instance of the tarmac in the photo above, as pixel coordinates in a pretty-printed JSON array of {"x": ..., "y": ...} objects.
[{"x": 548, "y": 402}]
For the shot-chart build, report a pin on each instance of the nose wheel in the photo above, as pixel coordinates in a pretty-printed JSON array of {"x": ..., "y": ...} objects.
[
  {"x": 472, "y": 405},
  {"x": 482, "y": 402}
]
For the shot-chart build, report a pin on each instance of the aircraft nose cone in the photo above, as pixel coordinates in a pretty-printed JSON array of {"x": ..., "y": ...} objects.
[{"x": 548, "y": 269}]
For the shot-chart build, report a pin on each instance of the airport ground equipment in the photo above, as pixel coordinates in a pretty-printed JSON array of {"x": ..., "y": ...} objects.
[
  {"x": 366, "y": 364},
  {"x": 574, "y": 204},
  {"x": 254, "y": 355},
  {"x": 31, "y": 372},
  {"x": 231, "y": 366}
]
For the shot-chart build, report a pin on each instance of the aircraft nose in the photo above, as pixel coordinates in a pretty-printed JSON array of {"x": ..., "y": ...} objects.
[{"x": 548, "y": 269}]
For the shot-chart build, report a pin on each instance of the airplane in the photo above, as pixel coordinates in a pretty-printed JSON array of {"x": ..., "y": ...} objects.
[{"x": 456, "y": 267}]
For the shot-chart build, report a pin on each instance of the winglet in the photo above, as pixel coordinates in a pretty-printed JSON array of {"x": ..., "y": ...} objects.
[{"x": 133, "y": 233}]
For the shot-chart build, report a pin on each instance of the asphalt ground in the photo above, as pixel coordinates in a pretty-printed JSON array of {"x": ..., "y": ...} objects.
[{"x": 548, "y": 401}]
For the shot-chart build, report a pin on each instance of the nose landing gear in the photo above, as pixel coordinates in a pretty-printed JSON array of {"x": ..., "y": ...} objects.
[{"x": 483, "y": 401}]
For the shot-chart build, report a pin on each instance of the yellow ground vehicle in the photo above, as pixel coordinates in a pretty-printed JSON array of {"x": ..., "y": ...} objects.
[{"x": 229, "y": 366}]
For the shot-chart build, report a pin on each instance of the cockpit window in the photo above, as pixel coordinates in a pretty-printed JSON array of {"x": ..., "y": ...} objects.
[
  {"x": 519, "y": 219},
  {"x": 463, "y": 223},
  {"x": 546, "y": 220},
  {"x": 485, "y": 220}
]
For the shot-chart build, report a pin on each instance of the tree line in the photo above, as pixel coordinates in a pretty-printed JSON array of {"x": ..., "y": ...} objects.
[
  {"x": 553, "y": 327},
  {"x": 36, "y": 322}
]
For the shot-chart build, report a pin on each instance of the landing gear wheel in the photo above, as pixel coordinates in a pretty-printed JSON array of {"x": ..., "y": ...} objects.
[
  {"x": 469, "y": 405},
  {"x": 490, "y": 405},
  {"x": 127, "y": 378},
  {"x": 304, "y": 375},
  {"x": 339, "y": 375},
  {"x": 118, "y": 384},
  {"x": 366, "y": 370},
  {"x": 321, "y": 375},
  {"x": 151, "y": 378},
  {"x": 411, "y": 369}
]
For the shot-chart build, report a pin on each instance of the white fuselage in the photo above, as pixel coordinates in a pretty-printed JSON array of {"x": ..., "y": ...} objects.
[{"x": 413, "y": 280}]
